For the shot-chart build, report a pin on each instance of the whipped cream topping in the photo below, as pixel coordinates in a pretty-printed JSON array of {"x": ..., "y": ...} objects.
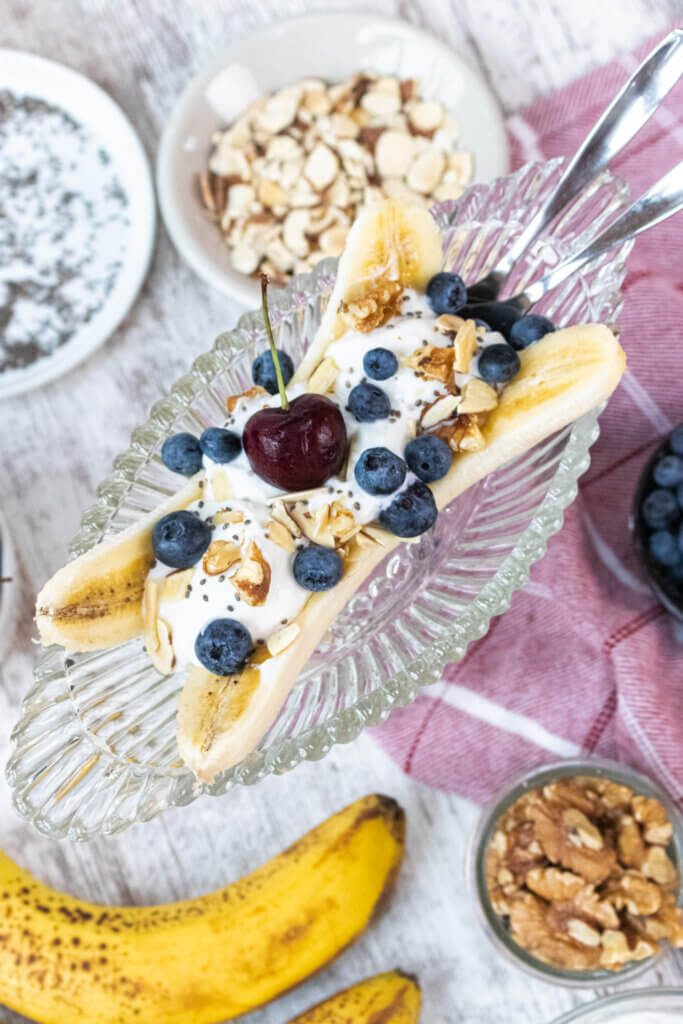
[{"x": 212, "y": 597}]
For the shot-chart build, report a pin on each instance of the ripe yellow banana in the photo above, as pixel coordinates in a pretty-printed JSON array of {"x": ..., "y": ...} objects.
[
  {"x": 64, "y": 961},
  {"x": 392, "y": 998}
]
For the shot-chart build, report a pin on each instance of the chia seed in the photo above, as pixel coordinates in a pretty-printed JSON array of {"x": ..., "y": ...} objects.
[{"x": 64, "y": 228}]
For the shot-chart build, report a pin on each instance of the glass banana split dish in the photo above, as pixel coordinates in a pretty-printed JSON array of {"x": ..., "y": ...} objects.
[{"x": 317, "y": 473}]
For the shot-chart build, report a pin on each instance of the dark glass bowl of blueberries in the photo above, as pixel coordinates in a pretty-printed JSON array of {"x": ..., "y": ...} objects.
[{"x": 658, "y": 522}]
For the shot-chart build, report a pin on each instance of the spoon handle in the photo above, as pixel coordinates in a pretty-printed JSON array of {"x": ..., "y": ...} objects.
[
  {"x": 660, "y": 201},
  {"x": 625, "y": 116}
]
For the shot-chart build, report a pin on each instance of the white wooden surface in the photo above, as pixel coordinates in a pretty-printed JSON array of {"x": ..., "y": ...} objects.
[{"x": 58, "y": 442}]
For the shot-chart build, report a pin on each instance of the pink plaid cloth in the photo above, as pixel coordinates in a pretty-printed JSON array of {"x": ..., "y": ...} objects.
[{"x": 585, "y": 659}]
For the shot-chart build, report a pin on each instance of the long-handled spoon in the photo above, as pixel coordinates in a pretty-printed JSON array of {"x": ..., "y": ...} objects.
[{"x": 624, "y": 117}]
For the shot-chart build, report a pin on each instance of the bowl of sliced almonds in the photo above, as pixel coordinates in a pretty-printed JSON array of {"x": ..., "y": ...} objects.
[{"x": 277, "y": 144}]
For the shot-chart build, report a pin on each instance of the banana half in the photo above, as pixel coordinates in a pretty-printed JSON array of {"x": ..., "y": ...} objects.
[{"x": 96, "y": 600}]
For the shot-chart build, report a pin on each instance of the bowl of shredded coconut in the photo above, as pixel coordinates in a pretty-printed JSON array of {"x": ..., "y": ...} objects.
[{"x": 77, "y": 229}]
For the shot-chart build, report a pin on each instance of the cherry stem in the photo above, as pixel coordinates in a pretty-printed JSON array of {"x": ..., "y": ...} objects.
[{"x": 271, "y": 342}]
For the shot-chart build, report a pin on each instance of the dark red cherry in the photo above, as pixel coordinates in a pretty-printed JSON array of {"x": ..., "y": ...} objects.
[{"x": 298, "y": 447}]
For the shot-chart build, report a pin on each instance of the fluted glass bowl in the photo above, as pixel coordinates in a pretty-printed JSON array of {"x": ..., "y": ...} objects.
[{"x": 95, "y": 749}]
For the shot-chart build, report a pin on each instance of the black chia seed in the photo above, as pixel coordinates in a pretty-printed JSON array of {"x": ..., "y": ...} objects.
[{"x": 63, "y": 231}]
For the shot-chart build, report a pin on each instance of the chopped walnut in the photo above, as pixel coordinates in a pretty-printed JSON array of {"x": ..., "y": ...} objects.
[
  {"x": 374, "y": 308},
  {"x": 581, "y": 871},
  {"x": 432, "y": 361}
]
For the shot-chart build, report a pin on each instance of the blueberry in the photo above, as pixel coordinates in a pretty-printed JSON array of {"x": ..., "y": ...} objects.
[
  {"x": 179, "y": 539},
  {"x": 679, "y": 496},
  {"x": 411, "y": 512},
  {"x": 498, "y": 364},
  {"x": 317, "y": 568},
  {"x": 664, "y": 547},
  {"x": 182, "y": 454},
  {"x": 446, "y": 293},
  {"x": 676, "y": 439},
  {"x": 481, "y": 323},
  {"x": 429, "y": 457},
  {"x": 263, "y": 370},
  {"x": 659, "y": 509},
  {"x": 379, "y": 471},
  {"x": 223, "y": 646},
  {"x": 669, "y": 471},
  {"x": 368, "y": 403},
  {"x": 498, "y": 315},
  {"x": 529, "y": 329},
  {"x": 220, "y": 445},
  {"x": 380, "y": 363}
]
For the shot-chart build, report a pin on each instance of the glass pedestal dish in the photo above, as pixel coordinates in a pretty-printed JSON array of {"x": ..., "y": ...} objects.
[{"x": 95, "y": 749}]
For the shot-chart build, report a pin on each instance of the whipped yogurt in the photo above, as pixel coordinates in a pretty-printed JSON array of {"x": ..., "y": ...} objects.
[{"x": 209, "y": 597}]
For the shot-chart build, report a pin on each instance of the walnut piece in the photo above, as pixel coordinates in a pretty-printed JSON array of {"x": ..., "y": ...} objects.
[
  {"x": 374, "y": 308},
  {"x": 581, "y": 870},
  {"x": 432, "y": 361}
]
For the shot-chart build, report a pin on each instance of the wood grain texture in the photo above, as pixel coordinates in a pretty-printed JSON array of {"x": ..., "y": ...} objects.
[{"x": 58, "y": 442}]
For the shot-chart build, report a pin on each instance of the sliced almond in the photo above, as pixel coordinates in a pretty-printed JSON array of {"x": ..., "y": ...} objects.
[
  {"x": 279, "y": 111},
  {"x": 280, "y": 535},
  {"x": 278, "y": 253},
  {"x": 394, "y": 153},
  {"x": 280, "y": 514},
  {"x": 174, "y": 586},
  {"x": 270, "y": 193},
  {"x": 283, "y": 147},
  {"x": 464, "y": 346},
  {"x": 294, "y": 230},
  {"x": 461, "y": 166},
  {"x": 379, "y": 103},
  {"x": 295, "y": 496},
  {"x": 426, "y": 116},
  {"x": 245, "y": 259},
  {"x": 220, "y": 556},
  {"x": 472, "y": 441},
  {"x": 425, "y": 172},
  {"x": 321, "y": 167},
  {"x": 230, "y": 162},
  {"x": 342, "y": 127},
  {"x": 228, "y": 515},
  {"x": 220, "y": 485},
  {"x": 449, "y": 324},
  {"x": 280, "y": 641},
  {"x": 442, "y": 409},
  {"x": 478, "y": 396},
  {"x": 446, "y": 190},
  {"x": 323, "y": 377},
  {"x": 252, "y": 579},
  {"x": 239, "y": 199},
  {"x": 232, "y": 400},
  {"x": 378, "y": 534},
  {"x": 333, "y": 240}
]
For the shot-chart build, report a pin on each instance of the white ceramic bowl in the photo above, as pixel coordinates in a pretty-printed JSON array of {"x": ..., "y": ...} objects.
[
  {"x": 27, "y": 74},
  {"x": 329, "y": 46},
  {"x": 644, "y": 1006}
]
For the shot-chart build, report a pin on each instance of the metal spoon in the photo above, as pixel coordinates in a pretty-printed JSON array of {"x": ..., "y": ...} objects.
[
  {"x": 625, "y": 116},
  {"x": 660, "y": 201}
]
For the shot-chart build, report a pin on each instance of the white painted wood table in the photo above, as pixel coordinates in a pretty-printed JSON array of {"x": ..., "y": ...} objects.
[{"x": 58, "y": 442}]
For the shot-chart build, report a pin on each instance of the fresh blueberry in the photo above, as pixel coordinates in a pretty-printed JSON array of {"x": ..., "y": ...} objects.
[
  {"x": 429, "y": 457},
  {"x": 368, "y": 403},
  {"x": 528, "y": 329},
  {"x": 263, "y": 370},
  {"x": 379, "y": 471},
  {"x": 676, "y": 439},
  {"x": 664, "y": 547},
  {"x": 660, "y": 509},
  {"x": 223, "y": 646},
  {"x": 498, "y": 364},
  {"x": 182, "y": 454},
  {"x": 220, "y": 445},
  {"x": 446, "y": 293},
  {"x": 317, "y": 568},
  {"x": 498, "y": 315},
  {"x": 411, "y": 512},
  {"x": 179, "y": 539},
  {"x": 380, "y": 363},
  {"x": 679, "y": 495},
  {"x": 669, "y": 471},
  {"x": 481, "y": 323}
]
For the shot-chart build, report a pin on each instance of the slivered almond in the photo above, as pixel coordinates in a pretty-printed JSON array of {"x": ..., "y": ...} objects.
[
  {"x": 280, "y": 641},
  {"x": 252, "y": 579},
  {"x": 220, "y": 485},
  {"x": 279, "y": 534},
  {"x": 220, "y": 556},
  {"x": 442, "y": 409},
  {"x": 323, "y": 377},
  {"x": 464, "y": 346},
  {"x": 478, "y": 396}
]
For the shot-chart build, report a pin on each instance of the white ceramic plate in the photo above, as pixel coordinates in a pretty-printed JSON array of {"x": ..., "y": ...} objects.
[
  {"x": 329, "y": 46},
  {"x": 27, "y": 74}
]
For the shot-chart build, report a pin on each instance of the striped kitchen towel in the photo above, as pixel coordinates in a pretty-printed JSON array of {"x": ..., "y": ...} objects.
[{"x": 585, "y": 659}]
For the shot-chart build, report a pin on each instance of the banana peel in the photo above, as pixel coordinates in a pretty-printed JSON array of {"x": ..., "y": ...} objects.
[
  {"x": 221, "y": 719},
  {"x": 391, "y": 998},
  {"x": 208, "y": 959}
]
